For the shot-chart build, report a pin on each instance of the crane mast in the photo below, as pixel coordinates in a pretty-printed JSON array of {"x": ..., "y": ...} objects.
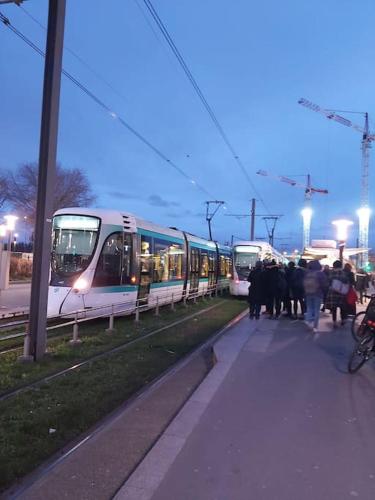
[
  {"x": 364, "y": 211},
  {"x": 367, "y": 138}
]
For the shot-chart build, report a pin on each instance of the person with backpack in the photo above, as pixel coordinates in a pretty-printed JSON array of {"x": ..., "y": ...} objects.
[
  {"x": 315, "y": 284},
  {"x": 337, "y": 292}
]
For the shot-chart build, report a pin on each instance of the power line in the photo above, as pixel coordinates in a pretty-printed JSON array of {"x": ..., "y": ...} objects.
[
  {"x": 100, "y": 103},
  {"x": 79, "y": 58},
  {"x": 200, "y": 94}
]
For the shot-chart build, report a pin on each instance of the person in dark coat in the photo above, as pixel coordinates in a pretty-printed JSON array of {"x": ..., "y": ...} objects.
[
  {"x": 327, "y": 272},
  {"x": 362, "y": 283},
  {"x": 256, "y": 291},
  {"x": 297, "y": 288},
  {"x": 334, "y": 299},
  {"x": 274, "y": 288},
  {"x": 289, "y": 272}
]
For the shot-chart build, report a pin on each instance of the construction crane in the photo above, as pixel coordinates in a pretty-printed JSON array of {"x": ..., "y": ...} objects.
[
  {"x": 367, "y": 138},
  {"x": 309, "y": 191}
]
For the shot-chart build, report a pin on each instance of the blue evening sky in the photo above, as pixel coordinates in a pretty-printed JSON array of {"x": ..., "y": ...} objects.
[{"x": 252, "y": 60}]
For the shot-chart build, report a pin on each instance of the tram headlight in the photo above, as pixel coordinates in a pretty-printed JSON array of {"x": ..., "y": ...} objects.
[{"x": 79, "y": 285}]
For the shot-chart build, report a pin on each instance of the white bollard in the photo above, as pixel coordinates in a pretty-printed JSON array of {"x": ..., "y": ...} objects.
[
  {"x": 75, "y": 340},
  {"x": 172, "y": 304},
  {"x": 26, "y": 357},
  {"x": 137, "y": 312},
  {"x": 111, "y": 322},
  {"x": 157, "y": 307},
  {"x": 185, "y": 299}
]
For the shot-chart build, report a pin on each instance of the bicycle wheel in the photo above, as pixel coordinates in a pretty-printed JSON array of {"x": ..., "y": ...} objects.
[
  {"x": 361, "y": 354},
  {"x": 359, "y": 328}
]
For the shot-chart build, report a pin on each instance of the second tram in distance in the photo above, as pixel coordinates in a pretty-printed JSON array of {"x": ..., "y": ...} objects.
[{"x": 245, "y": 255}]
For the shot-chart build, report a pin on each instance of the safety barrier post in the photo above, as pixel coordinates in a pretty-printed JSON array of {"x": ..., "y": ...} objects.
[
  {"x": 216, "y": 290},
  {"x": 172, "y": 304},
  {"x": 195, "y": 297},
  {"x": 111, "y": 322},
  {"x": 185, "y": 298},
  {"x": 26, "y": 357},
  {"x": 75, "y": 340},
  {"x": 157, "y": 307}
]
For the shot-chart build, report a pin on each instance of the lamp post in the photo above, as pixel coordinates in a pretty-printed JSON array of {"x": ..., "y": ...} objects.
[
  {"x": 306, "y": 217},
  {"x": 342, "y": 226}
]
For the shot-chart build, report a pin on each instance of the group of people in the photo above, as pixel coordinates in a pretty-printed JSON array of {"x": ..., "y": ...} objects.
[{"x": 302, "y": 290}]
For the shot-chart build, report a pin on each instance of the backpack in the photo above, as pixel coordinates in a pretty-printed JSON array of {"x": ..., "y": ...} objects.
[{"x": 311, "y": 283}]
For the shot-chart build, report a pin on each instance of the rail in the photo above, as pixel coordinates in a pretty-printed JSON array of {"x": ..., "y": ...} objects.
[{"x": 111, "y": 311}]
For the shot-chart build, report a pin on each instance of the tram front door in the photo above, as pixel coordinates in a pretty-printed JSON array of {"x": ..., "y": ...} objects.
[{"x": 145, "y": 270}]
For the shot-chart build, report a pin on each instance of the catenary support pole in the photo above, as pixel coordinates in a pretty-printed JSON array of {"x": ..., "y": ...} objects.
[
  {"x": 46, "y": 177},
  {"x": 252, "y": 220}
]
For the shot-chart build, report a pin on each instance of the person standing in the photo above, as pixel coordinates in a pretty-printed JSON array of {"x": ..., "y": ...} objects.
[
  {"x": 255, "y": 291},
  {"x": 315, "y": 285},
  {"x": 298, "y": 291},
  {"x": 327, "y": 272},
  {"x": 289, "y": 272},
  {"x": 337, "y": 291}
]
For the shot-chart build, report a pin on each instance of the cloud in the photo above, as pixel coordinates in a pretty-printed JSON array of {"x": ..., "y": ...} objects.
[
  {"x": 122, "y": 195},
  {"x": 179, "y": 215},
  {"x": 156, "y": 201}
]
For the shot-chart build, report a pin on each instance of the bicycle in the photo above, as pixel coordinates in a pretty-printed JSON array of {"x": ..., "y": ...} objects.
[
  {"x": 364, "y": 332},
  {"x": 359, "y": 322}
]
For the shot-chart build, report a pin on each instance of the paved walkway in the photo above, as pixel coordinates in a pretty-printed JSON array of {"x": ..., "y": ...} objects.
[{"x": 278, "y": 418}]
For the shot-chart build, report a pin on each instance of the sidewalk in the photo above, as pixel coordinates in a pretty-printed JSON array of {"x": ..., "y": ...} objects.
[{"x": 277, "y": 418}]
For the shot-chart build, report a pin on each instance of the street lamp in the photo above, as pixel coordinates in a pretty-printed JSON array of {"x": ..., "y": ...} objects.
[
  {"x": 306, "y": 217},
  {"x": 342, "y": 226}
]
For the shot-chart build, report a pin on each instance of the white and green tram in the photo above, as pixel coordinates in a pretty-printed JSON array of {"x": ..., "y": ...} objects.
[{"x": 108, "y": 258}]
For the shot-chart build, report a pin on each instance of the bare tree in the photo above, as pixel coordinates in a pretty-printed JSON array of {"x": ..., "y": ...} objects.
[
  {"x": 3, "y": 189},
  {"x": 72, "y": 189}
]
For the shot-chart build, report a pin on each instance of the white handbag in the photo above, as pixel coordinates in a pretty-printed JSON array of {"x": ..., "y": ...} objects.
[{"x": 340, "y": 287}]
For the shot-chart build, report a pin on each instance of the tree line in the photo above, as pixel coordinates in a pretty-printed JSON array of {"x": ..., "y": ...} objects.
[{"x": 18, "y": 190}]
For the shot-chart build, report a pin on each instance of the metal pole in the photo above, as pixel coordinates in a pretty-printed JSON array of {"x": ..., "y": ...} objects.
[
  {"x": 252, "y": 220},
  {"x": 46, "y": 177}
]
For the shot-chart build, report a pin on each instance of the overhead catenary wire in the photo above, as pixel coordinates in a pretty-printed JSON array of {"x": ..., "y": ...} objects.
[
  {"x": 201, "y": 96},
  {"x": 106, "y": 108},
  {"x": 79, "y": 58}
]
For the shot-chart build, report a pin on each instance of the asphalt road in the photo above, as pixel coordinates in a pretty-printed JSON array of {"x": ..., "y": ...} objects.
[
  {"x": 15, "y": 298},
  {"x": 287, "y": 423}
]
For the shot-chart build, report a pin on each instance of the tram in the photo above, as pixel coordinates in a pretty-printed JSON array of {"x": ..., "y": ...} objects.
[
  {"x": 245, "y": 255},
  {"x": 105, "y": 257}
]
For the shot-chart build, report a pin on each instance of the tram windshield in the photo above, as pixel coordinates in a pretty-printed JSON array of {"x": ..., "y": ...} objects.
[
  {"x": 74, "y": 241},
  {"x": 245, "y": 258}
]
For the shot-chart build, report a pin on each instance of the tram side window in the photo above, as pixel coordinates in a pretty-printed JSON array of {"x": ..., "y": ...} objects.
[
  {"x": 212, "y": 261},
  {"x": 161, "y": 261},
  {"x": 223, "y": 272},
  {"x": 194, "y": 260},
  {"x": 225, "y": 266},
  {"x": 146, "y": 255},
  {"x": 127, "y": 259},
  {"x": 109, "y": 267},
  {"x": 204, "y": 264},
  {"x": 175, "y": 254}
]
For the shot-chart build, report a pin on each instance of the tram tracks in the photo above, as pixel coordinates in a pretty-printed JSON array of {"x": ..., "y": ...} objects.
[{"x": 70, "y": 369}]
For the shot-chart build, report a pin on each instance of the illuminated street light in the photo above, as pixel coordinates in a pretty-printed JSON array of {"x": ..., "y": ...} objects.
[
  {"x": 306, "y": 217},
  {"x": 342, "y": 226},
  {"x": 11, "y": 221}
]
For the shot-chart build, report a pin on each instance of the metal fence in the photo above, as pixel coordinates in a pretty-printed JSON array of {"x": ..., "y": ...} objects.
[{"x": 111, "y": 311}]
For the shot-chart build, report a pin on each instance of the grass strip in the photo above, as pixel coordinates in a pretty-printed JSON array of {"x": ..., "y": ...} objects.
[
  {"x": 95, "y": 340},
  {"x": 37, "y": 423}
]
